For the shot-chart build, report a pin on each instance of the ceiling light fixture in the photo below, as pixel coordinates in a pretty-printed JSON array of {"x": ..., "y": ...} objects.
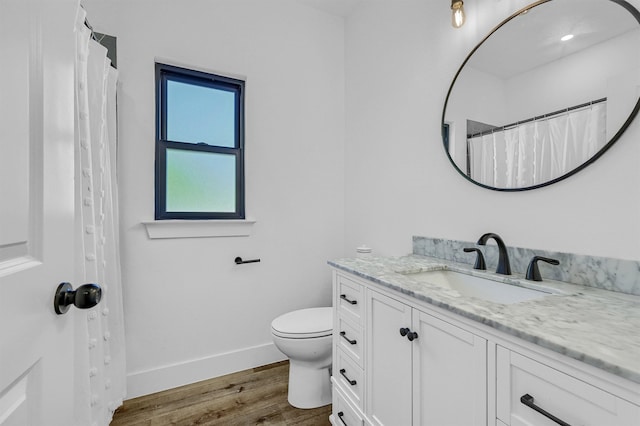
[
  {"x": 457, "y": 13},
  {"x": 567, "y": 37}
]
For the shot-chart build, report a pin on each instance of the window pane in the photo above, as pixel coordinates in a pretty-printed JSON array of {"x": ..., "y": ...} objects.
[
  {"x": 200, "y": 114},
  {"x": 200, "y": 181}
]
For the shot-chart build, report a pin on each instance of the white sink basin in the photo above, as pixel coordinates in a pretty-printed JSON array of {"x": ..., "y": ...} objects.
[{"x": 482, "y": 288}]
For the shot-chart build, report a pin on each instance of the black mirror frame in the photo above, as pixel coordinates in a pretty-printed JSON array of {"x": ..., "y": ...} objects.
[{"x": 631, "y": 9}]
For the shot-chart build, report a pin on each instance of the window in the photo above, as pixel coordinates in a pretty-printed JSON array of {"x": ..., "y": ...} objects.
[{"x": 199, "y": 145}]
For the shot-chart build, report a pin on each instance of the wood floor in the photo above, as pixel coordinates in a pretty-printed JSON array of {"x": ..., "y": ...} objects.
[{"x": 252, "y": 397}]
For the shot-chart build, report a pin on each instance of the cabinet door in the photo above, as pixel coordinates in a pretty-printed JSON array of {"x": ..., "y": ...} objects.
[
  {"x": 449, "y": 377},
  {"x": 389, "y": 367},
  {"x": 570, "y": 399}
]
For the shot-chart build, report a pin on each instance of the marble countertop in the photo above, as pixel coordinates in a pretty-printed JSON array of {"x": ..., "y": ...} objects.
[{"x": 598, "y": 327}]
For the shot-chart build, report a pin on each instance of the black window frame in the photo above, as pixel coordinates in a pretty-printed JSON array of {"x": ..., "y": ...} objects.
[{"x": 165, "y": 73}]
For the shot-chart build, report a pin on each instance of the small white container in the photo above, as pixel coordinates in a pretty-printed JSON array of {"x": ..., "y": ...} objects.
[{"x": 363, "y": 252}]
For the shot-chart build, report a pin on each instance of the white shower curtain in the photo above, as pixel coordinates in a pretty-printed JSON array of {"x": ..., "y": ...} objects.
[
  {"x": 538, "y": 151},
  {"x": 100, "y": 349}
]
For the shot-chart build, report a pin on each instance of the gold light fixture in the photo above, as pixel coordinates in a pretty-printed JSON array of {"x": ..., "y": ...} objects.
[{"x": 457, "y": 13}]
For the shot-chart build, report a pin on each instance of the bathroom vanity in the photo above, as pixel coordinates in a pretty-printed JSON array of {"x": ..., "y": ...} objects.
[{"x": 412, "y": 350}]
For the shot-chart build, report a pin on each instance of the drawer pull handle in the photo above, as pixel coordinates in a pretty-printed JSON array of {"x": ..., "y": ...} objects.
[
  {"x": 340, "y": 416},
  {"x": 351, "y": 382},
  {"x": 527, "y": 400},
  {"x": 344, "y": 297},
  {"x": 343, "y": 334}
]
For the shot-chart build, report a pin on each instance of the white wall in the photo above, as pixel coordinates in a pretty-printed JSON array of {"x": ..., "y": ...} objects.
[
  {"x": 190, "y": 312},
  {"x": 400, "y": 59},
  {"x": 318, "y": 187}
]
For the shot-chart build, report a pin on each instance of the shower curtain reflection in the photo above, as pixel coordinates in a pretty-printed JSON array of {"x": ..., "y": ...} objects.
[{"x": 537, "y": 151}]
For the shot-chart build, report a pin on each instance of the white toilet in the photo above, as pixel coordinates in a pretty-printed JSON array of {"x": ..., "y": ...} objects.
[{"x": 304, "y": 336}]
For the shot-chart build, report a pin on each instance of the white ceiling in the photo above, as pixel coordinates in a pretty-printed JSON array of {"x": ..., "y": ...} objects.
[{"x": 533, "y": 39}]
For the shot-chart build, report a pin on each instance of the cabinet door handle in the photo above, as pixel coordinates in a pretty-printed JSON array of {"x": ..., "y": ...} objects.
[
  {"x": 351, "y": 382},
  {"x": 344, "y": 297},
  {"x": 343, "y": 334},
  {"x": 340, "y": 416},
  {"x": 411, "y": 335},
  {"x": 528, "y": 400}
]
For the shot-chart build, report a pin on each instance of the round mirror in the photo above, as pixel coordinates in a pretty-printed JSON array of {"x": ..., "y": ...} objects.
[{"x": 545, "y": 94}]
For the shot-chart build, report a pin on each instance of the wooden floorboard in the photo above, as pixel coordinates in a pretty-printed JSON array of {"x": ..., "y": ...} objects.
[{"x": 257, "y": 396}]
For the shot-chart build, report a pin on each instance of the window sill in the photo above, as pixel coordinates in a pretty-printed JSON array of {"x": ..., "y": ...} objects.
[{"x": 159, "y": 229}]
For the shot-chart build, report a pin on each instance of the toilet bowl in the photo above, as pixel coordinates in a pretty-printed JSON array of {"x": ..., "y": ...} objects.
[{"x": 305, "y": 337}]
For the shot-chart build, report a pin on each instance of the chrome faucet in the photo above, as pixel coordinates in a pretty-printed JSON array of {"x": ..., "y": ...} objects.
[{"x": 503, "y": 258}]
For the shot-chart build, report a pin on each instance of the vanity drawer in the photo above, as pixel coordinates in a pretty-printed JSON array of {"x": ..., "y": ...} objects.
[
  {"x": 350, "y": 299},
  {"x": 350, "y": 377},
  {"x": 350, "y": 339},
  {"x": 521, "y": 379},
  {"x": 344, "y": 413}
]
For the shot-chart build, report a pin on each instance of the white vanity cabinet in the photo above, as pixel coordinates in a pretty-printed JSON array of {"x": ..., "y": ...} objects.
[
  {"x": 437, "y": 378},
  {"x": 455, "y": 371}
]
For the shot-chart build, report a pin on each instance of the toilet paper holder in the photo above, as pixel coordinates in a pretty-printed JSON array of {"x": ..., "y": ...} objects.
[{"x": 239, "y": 261}]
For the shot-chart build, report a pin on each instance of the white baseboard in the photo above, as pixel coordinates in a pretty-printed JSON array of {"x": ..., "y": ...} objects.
[{"x": 170, "y": 376}]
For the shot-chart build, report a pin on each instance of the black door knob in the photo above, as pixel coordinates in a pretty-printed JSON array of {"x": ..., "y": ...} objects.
[
  {"x": 85, "y": 297},
  {"x": 404, "y": 331}
]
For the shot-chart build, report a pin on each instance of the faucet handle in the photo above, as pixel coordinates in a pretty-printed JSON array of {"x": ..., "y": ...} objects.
[
  {"x": 480, "y": 263},
  {"x": 533, "y": 272}
]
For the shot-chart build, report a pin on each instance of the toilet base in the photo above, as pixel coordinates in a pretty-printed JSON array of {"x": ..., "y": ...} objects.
[{"x": 308, "y": 387}]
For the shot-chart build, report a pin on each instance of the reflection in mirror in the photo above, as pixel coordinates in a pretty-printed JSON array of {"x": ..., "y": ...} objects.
[{"x": 545, "y": 94}]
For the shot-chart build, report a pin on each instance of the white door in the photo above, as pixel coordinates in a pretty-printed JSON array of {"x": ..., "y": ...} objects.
[{"x": 36, "y": 211}]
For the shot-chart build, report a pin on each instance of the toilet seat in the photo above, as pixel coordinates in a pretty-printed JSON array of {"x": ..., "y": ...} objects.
[{"x": 304, "y": 324}]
